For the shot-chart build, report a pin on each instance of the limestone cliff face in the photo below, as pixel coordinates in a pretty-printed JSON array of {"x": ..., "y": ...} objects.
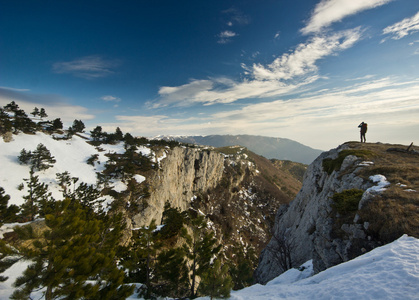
[
  {"x": 307, "y": 223},
  {"x": 181, "y": 174},
  {"x": 237, "y": 190}
]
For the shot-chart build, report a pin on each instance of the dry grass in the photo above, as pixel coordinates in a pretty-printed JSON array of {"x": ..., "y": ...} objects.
[{"x": 396, "y": 211}]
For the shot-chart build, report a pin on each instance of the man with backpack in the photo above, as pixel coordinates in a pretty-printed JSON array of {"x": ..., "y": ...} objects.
[{"x": 363, "y": 127}]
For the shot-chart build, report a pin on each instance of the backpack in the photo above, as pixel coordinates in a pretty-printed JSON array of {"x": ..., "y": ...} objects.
[{"x": 364, "y": 127}]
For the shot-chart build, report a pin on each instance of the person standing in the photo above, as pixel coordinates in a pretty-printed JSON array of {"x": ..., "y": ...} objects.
[{"x": 363, "y": 131}]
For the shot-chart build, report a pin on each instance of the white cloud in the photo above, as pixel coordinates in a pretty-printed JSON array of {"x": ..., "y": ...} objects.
[
  {"x": 321, "y": 120},
  {"x": 403, "y": 28},
  {"x": 88, "y": 67},
  {"x": 303, "y": 59},
  {"x": 226, "y": 36},
  {"x": 284, "y": 75},
  {"x": 327, "y": 12},
  {"x": 109, "y": 98}
]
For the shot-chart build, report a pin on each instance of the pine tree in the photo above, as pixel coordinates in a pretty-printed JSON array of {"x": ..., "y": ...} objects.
[
  {"x": 76, "y": 249},
  {"x": 6, "y": 252},
  {"x": 42, "y": 158},
  {"x": 172, "y": 273},
  {"x": 35, "y": 112},
  {"x": 57, "y": 124},
  {"x": 216, "y": 281},
  {"x": 78, "y": 126},
  {"x": 23, "y": 122},
  {"x": 242, "y": 266},
  {"x": 6, "y": 124},
  {"x": 119, "y": 136},
  {"x": 97, "y": 133},
  {"x": 42, "y": 113},
  {"x": 140, "y": 257},
  {"x": 200, "y": 248},
  {"x": 25, "y": 157},
  {"x": 38, "y": 199},
  {"x": 7, "y": 213},
  {"x": 11, "y": 107}
]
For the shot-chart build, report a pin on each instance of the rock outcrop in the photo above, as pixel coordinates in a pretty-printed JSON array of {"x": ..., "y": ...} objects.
[
  {"x": 237, "y": 190},
  {"x": 311, "y": 227},
  {"x": 182, "y": 174}
]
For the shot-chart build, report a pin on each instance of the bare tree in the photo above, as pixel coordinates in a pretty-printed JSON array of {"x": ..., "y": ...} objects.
[{"x": 280, "y": 249}]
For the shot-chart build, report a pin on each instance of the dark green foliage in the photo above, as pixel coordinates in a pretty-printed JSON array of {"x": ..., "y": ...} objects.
[
  {"x": 91, "y": 160},
  {"x": 97, "y": 133},
  {"x": 42, "y": 113},
  {"x": 78, "y": 126},
  {"x": 216, "y": 281},
  {"x": 25, "y": 157},
  {"x": 172, "y": 220},
  {"x": 330, "y": 165},
  {"x": 57, "y": 124},
  {"x": 64, "y": 180},
  {"x": 76, "y": 247},
  {"x": 347, "y": 201},
  {"x": 140, "y": 258},
  {"x": 7, "y": 213},
  {"x": 242, "y": 266},
  {"x": 172, "y": 272},
  {"x": 11, "y": 107},
  {"x": 6, "y": 124},
  {"x": 23, "y": 123},
  {"x": 89, "y": 196},
  {"x": 35, "y": 112},
  {"x": 200, "y": 247},
  {"x": 40, "y": 159},
  {"x": 38, "y": 200},
  {"x": 127, "y": 164}
]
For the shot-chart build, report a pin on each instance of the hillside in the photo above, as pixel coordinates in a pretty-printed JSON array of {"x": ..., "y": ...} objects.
[
  {"x": 354, "y": 198},
  {"x": 225, "y": 196},
  {"x": 269, "y": 147}
]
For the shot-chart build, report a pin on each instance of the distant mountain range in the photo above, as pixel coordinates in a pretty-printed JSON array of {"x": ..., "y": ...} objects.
[{"x": 269, "y": 147}]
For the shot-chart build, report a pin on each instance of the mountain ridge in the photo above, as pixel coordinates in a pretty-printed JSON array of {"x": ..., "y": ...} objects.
[{"x": 269, "y": 147}]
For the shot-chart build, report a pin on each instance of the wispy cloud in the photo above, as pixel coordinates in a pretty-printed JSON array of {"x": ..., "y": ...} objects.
[
  {"x": 56, "y": 106},
  {"x": 285, "y": 74},
  {"x": 403, "y": 28},
  {"x": 109, "y": 98},
  {"x": 226, "y": 36},
  {"x": 329, "y": 116},
  {"x": 236, "y": 17},
  {"x": 88, "y": 67},
  {"x": 303, "y": 59},
  {"x": 14, "y": 89},
  {"x": 330, "y": 11}
]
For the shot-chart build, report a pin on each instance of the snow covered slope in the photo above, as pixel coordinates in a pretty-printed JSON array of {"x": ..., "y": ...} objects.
[
  {"x": 387, "y": 272},
  {"x": 71, "y": 156}
]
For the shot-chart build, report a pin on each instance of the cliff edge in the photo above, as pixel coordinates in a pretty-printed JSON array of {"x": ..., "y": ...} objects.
[{"x": 354, "y": 198}]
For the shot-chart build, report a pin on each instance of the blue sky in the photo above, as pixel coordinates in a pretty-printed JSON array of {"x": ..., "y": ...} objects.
[{"x": 308, "y": 70}]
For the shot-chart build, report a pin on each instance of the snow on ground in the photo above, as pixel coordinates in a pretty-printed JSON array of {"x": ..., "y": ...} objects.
[
  {"x": 71, "y": 155},
  {"x": 381, "y": 182},
  {"x": 387, "y": 272}
]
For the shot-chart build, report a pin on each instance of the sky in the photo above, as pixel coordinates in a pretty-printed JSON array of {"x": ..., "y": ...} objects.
[{"x": 307, "y": 70}]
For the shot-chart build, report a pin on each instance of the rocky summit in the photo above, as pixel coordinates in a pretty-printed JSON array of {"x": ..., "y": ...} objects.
[{"x": 354, "y": 198}]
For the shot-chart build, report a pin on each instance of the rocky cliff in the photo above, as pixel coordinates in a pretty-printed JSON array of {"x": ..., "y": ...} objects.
[
  {"x": 183, "y": 173},
  {"x": 237, "y": 190},
  {"x": 354, "y": 198}
]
